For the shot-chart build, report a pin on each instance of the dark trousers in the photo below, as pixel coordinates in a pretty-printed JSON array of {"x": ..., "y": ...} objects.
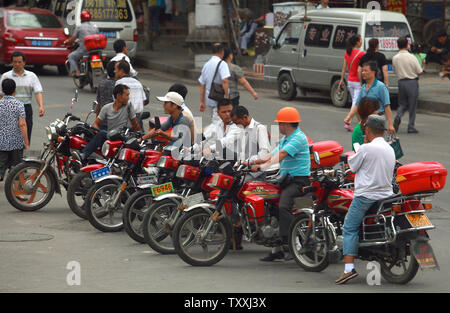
[
  {"x": 288, "y": 194},
  {"x": 29, "y": 119},
  {"x": 408, "y": 96},
  {"x": 95, "y": 143},
  {"x": 9, "y": 159}
]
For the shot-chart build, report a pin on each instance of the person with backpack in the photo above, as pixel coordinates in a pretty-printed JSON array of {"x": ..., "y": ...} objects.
[
  {"x": 352, "y": 58},
  {"x": 373, "y": 54}
]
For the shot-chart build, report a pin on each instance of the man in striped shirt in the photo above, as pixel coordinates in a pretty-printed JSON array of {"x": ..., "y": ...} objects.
[
  {"x": 27, "y": 83},
  {"x": 293, "y": 155}
]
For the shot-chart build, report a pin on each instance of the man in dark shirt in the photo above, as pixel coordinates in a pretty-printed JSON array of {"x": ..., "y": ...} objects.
[
  {"x": 105, "y": 90},
  {"x": 439, "y": 48}
]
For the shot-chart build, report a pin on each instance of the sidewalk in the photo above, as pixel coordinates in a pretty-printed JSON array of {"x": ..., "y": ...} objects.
[{"x": 173, "y": 57}]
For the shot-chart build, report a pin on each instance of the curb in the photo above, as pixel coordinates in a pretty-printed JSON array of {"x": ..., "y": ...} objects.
[{"x": 423, "y": 105}]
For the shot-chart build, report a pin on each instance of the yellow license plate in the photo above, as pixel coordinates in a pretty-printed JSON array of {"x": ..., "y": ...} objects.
[
  {"x": 96, "y": 64},
  {"x": 418, "y": 220},
  {"x": 162, "y": 189}
]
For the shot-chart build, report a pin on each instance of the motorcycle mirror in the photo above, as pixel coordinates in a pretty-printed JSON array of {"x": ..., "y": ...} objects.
[
  {"x": 145, "y": 115},
  {"x": 316, "y": 157},
  {"x": 151, "y": 124},
  {"x": 94, "y": 106},
  {"x": 157, "y": 122}
]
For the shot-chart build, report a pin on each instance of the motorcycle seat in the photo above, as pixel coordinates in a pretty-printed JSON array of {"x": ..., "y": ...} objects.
[{"x": 386, "y": 202}]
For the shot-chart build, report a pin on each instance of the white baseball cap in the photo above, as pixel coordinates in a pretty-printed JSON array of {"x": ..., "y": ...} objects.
[{"x": 172, "y": 96}]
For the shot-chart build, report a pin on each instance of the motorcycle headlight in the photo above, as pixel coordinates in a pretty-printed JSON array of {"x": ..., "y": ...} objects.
[
  {"x": 51, "y": 132},
  {"x": 105, "y": 149}
]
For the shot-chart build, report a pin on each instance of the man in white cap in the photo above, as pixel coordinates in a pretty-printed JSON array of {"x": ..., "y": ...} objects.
[{"x": 180, "y": 124}]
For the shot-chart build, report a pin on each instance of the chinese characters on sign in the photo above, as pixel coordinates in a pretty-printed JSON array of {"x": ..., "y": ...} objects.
[{"x": 108, "y": 10}]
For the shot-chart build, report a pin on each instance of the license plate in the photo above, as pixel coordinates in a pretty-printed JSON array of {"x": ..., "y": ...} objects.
[
  {"x": 96, "y": 64},
  {"x": 101, "y": 172},
  {"x": 162, "y": 189},
  {"x": 418, "y": 220},
  {"x": 41, "y": 43},
  {"x": 390, "y": 67},
  {"x": 193, "y": 200},
  {"x": 145, "y": 180},
  {"x": 109, "y": 34}
]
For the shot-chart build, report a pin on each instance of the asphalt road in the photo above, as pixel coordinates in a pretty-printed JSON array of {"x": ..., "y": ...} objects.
[{"x": 37, "y": 249}]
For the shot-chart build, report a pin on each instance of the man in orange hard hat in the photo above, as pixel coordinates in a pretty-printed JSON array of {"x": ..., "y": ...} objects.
[{"x": 293, "y": 155}]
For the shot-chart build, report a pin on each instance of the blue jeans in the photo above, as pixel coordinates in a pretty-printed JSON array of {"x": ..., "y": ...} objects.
[
  {"x": 352, "y": 222},
  {"x": 96, "y": 142}
]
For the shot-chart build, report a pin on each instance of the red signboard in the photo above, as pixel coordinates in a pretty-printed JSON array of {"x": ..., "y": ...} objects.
[{"x": 396, "y": 6}]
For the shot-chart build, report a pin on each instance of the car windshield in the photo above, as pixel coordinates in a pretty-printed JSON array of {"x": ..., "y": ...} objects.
[
  {"x": 33, "y": 20},
  {"x": 387, "y": 34},
  {"x": 108, "y": 10}
]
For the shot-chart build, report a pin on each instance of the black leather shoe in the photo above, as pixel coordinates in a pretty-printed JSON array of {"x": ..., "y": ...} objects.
[
  {"x": 412, "y": 131},
  {"x": 273, "y": 256}
]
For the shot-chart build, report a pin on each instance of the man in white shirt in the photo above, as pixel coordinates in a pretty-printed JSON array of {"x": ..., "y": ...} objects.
[
  {"x": 182, "y": 90},
  {"x": 206, "y": 79},
  {"x": 137, "y": 94},
  {"x": 373, "y": 165},
  {"x": 224, "y": 130},
  {"x": 407, "y": 69},
  {"x": 256, "y": 142},
  {"x": 120, "y": 46}
]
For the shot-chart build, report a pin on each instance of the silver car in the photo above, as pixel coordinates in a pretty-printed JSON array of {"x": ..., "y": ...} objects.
[{"x": 309, "y": 52}]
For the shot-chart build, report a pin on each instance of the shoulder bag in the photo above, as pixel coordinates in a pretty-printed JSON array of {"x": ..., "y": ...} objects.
[{"x": 216, "y": 91}]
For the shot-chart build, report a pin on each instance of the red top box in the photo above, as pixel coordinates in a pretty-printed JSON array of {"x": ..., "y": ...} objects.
[
  {"x": 421, "y": 176},
  {"x": 97, "y": 41},
  {"x": 329, "y": 153}
]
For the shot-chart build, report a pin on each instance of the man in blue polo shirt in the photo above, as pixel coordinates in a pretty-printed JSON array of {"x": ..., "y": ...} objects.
[
  {"x": 373, "y": 88},
  {"x": 293, "y": 155}
]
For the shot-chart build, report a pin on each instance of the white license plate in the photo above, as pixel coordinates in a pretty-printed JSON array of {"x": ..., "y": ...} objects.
[
  {"x": 145, "y": 180},
  {"x": 101, "y": 172},
  {"x": 193, "y": 200}
]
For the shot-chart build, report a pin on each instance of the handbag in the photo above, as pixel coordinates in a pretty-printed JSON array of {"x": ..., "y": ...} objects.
[
  {"x": 216, "y": 91},
  {"x": 394, "y": 142}
]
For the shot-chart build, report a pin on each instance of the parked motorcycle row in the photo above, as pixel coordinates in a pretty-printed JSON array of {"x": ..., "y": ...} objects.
[{"x": 190, "y": 207}]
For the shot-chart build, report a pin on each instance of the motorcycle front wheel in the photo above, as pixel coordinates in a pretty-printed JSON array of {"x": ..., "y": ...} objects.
[
  {"x": 21, "y": 193},
  {"x": 156, "y": 229},
  {"x": 133, "y": 215},
  {"x": 77, "y": 193},
  {"x": 194, "y": 250},
  {"x": 402, "y": 268},
  {"x": 314, "y": 255},
  {"x": 101, "y": 212}
]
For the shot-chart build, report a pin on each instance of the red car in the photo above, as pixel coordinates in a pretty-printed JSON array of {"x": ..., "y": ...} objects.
[{"x": 38, "y": 33}]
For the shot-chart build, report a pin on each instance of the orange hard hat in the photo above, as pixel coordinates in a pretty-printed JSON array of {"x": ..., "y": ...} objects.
[{"x": 288, "y": 115}]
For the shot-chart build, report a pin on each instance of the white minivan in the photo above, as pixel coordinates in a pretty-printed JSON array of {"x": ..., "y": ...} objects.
[
  {"x": 114, "y": 18},
  {"x": 309, "y": 52}
]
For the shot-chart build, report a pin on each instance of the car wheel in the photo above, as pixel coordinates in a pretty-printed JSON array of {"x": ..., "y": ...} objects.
[
  {"x": 287, "y": 90},
  {"x": 62, "y": 70},
  {"x": 339, "y": 98}
]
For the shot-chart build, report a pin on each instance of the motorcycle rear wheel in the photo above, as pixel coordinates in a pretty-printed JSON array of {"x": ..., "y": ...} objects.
[
  {"x": 77, "y": 192},
  {"x": 156, "y": 231},
  {"x": 22, "y": 175},
  {"x": 133, "y": 214},
  {"x": 315, "y": 260},
  {"x": 186, "y": 236},
  {"x": 99, "y": 215},
  {"x": 407, "y": 268}
]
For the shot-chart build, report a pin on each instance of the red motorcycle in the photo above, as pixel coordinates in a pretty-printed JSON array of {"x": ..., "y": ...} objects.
[
  {"x": 393, "y": 232},
  {"x": 165, "y": 210},
  {"x": 31, "y": 184}
]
